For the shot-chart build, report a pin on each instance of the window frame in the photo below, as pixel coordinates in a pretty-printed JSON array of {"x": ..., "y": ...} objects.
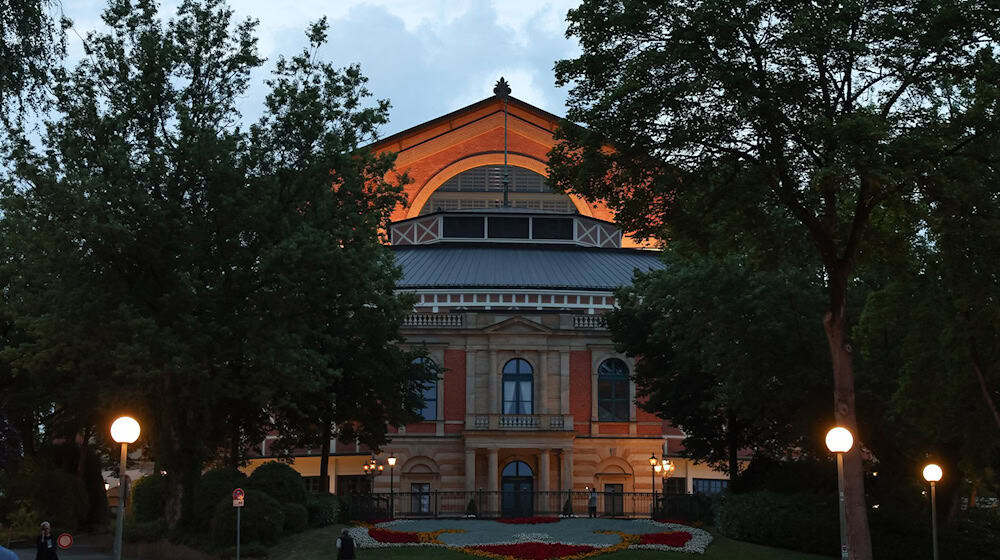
[
  {"x": 432, "y": 389},
  {"x": 617, "y": 379},
  {"x": 518, "y": 378}
]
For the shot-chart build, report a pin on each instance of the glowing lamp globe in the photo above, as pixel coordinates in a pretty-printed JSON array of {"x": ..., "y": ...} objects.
[
  {"x": 125, "y": 430},
  {"x": 932, "y": 473},
  {"x": 839, "y": 440},
  {"x": 391, "y": 460}
]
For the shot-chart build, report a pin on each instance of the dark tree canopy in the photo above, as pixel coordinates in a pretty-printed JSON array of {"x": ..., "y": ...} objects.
[
  {"x": 161, "y": 259},
  {"x": 772, "y": 119},
  {"x": 31, "y": 45}
]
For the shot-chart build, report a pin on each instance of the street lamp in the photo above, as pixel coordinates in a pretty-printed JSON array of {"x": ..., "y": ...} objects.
[
  {"x": 667, "y": 467},
  {"x": 839, "y": 440},
  {"x": 932, "y": 474},
  {"x": 655, "y": 464},
  {"x": 392, "y": 503},
  {"x": 124, "y": 430}
]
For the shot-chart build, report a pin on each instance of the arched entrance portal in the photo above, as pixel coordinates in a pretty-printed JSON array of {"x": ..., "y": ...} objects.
[{"x": 517, "y": 485}]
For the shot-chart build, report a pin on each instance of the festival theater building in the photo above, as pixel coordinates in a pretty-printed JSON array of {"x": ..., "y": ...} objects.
[{"x": 533, "y": 399}]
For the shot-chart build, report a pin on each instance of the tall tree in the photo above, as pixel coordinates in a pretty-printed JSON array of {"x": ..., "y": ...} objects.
[
  {"x": 205, "y": 276},
  {"x": 833, "y": 114},
  {"x": 31, "y": 45},
  {"x": 729, "y": 354}
]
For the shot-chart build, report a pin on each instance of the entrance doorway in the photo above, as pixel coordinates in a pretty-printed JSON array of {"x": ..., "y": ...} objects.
[
  {"x": 517, "y": 485},
  {"x": 613, "y": 500}
]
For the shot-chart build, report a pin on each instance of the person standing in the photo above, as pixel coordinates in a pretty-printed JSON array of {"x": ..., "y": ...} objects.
[
  {"x": 45, "y": 544},
  {"x": 345, "y": 546},
  {"x": 592, "y": 503}
]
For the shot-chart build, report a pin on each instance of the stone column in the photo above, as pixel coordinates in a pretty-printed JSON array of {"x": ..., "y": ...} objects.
[
  {"x": 470, "y": 470},
  {"x": 568, "y": 469},
  {"x": 494, "y": 406},
  {"x": 543, "y": 470},
  {"x": 688, "y": 480},
  {"x": 543, "y": 383},
  {"x": 564, "y": 383},
  {"x": 493, "y": 476}
]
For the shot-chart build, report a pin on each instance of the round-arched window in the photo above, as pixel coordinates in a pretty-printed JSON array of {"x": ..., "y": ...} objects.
[
  {"x": 516, "y": 468},
  {"x": 612, "y": 391},
  {"x": 517, "y": 379},
  {"x": 482, "y": 187}
]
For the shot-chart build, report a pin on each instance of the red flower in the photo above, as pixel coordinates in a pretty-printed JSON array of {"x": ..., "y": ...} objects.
[
  {"x": 675, "y": 522},
  {"x": 674, "y": 538},
  {"x": 387, "y": 536},
  {"x": 528, "y": 520},
  {"x": 535, "y": 550}
]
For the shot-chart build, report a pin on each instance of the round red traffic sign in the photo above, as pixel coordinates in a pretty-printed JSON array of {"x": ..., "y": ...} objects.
[
  {"x": 238, "y": 494},
  {"x": 64, "y": 540}
]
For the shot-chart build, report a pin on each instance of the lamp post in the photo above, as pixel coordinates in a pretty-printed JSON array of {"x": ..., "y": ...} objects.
[
  {"x": 124, "y": 430},
  {"x": 839, "y": 440},
  {"x": 654, "y": 464},
  {"x": 667, "y": 467},
  {"x": 392, "y": 503},
  {"x": 932, "y": 474}
]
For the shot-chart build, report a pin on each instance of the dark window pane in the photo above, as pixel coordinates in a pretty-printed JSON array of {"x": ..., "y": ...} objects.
[
  {"x": 552, "y": 228},
  {"x": 508, "y": 228},
  {"x": 463, "y": 226}
]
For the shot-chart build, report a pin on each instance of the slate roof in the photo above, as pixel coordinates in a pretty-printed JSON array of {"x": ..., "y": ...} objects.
[{"x": 492, "y": 265}]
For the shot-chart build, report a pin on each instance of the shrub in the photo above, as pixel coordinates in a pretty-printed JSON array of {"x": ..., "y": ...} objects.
[
  {"x": 261, "y": 520},
  {"x": 145, "y": 531},
  {"x": 323, "y": 510},
  {"x": 296, "y": 517},
  {"x": 213, "y": 486},
  {"x": 279, "y": 480},
  {"x": 148, "y": 499},
  {"x": 568, "y": 506},
  {"x": 470, "y": 508},
  {"x": 800, "y": 521},
  {"x": 51, "y": 495}
]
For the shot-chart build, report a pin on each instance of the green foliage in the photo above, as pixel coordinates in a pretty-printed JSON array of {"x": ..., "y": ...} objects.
[
  {"x": 279, "y": 481},
  {"x": 33, "y": 43},
  {"x": 145, "y": 531},
  {"x": 728, "y": 354},
  {"x": 323, "y": 509},
  {"x": 49, "y": 495},
  {"x": 261, "y": 520},
  {"x": 296, "y": 517},
  {"x": 798, "y": 521},
  {"x": 213, "y": 486},
  {"x": 470, "y": 508},
  {"x": 148, "y": 499}
]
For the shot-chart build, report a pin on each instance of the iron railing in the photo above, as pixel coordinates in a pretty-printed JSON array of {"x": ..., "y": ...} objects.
[{"x": 486, "y": 504}]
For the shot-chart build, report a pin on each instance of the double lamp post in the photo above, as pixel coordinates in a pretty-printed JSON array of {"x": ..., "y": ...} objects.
[{"x": 665, "y": 468}]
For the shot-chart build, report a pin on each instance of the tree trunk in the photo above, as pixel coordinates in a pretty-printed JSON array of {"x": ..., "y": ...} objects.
[
  {"x": 835, "y": 324},
  {"x": 733, "y": 445},
  {"x": 977, "y": 368},
  {"x": 324, "y": 459}
]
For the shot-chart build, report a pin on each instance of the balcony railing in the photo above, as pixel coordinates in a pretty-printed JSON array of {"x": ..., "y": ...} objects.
[
  {"x": 589, "y": 322},
  {"x": 486, "y": 504},
  {"x": 432, "y": 320},
  {"x": 519, "y": 422}
]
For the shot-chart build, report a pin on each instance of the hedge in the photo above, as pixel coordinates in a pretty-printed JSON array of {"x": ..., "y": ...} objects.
[
  {"x": 296, "y": 518},
  {"x": 803, "y": 521},
  {"x": 148, "y": 500},
  {"x": 213, "y": 486},
  {"x": 262, "y": 519},
  {"x": 279, "y": 480},
  {"x": 323, "y": 510}
]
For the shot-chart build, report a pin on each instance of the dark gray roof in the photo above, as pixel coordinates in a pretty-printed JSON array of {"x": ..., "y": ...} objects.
[{"x": 446, "y": 265}]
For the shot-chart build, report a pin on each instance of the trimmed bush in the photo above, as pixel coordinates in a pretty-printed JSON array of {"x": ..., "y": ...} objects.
[
  {"x": 147, "y": 531},
  {"x": 149, "y": 499},
  {"x": 280, "y": 481},
  {"x": 801, "y": 521},
  {"x": 296, "y": 518},
  {"x": 261, "y": 520},
  {"x": 323, "y": 510},
  {"x": 470, "y": 508},
  {"x": 52, "y": 495},
  {"x": 213, "y": 486}
]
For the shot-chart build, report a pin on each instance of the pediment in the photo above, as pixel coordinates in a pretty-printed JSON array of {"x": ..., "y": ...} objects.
[{"x": 517, "y": 325}]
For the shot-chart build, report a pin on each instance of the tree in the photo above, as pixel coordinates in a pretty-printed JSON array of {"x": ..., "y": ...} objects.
[
  {"x": 728, "y": 354},
  {"x": 833, "y": 115},
  {"x": 206, "y": 277},
  {"x": 31, "y": 44}
]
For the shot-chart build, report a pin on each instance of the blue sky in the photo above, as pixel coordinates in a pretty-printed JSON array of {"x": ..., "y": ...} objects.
[{"x": 428, "y": 57}]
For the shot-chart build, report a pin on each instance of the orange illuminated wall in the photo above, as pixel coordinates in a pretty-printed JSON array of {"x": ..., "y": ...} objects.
[{"x": 433, "y": 152}]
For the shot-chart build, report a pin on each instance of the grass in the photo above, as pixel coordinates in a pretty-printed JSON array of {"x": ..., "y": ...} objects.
[{"x": 318, "y": 544}]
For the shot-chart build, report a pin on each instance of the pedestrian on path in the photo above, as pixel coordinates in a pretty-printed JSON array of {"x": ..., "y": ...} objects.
[
  {"x": 592, "y": 503},
  {"x": 46, "y": 544},
  {"x": 345, "y": 546},
  {"x": 7, "y": 554}
]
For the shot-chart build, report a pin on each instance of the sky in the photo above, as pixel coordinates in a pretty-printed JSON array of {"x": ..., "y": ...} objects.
[{"x": 428, "y": 57}]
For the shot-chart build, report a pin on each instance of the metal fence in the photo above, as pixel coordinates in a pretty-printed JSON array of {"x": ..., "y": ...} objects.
[{"x": 484, "y": 504}]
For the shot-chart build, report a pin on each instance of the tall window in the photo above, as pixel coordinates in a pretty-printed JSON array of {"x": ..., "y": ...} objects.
[
  {"x": 429, "y": 412},
  {"x": 517, "y": 375},
  {"x": 612, "y": 391},
  {"x": 420, "y": 497}
]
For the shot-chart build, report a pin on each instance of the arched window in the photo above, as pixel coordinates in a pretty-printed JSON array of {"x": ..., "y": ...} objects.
[
  {"x": 612, "y": 391},
  {"x": 482, "y": 187},
  {"x": 429, "y": 412},
  {"x": 516, "y": 468},
  {"x": 517, "y": 375}
]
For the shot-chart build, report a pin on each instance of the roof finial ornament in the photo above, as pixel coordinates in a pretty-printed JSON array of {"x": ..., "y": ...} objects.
[{"x": 502, "y": 89}]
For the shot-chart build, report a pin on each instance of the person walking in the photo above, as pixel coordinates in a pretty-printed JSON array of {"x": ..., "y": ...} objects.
[
  {"x": 345, "y": 546},
  {"x": 7, "y": 554},
  {"x": 592, "y": 503},
  {"x": 45, "y": 544}
]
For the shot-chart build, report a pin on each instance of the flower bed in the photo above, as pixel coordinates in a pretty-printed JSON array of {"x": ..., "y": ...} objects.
[
  {"x": 531, "y": 550},
  {"x": 674, "y": 538},
  {"x": 528, "y": 520},
  {"x": 394, "y": 537}
]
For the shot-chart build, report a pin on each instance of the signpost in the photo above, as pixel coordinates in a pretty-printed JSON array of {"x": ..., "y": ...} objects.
[
  {"x": 64, "y": 540},
  {"x": 238, "y": 496}
]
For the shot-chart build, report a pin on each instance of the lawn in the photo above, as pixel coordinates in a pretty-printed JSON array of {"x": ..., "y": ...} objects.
[{"x": 318, "y": 544}]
